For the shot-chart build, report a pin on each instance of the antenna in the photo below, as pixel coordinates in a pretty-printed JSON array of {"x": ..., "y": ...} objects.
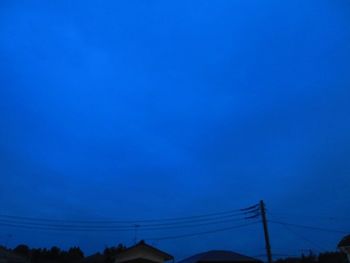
[{"x": 136, "y": 232}]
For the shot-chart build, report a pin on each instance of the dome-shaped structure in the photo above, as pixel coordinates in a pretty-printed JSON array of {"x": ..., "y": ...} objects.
[
  {"x": 345, "y": 242},
  {"x": 219, "y": 256}
]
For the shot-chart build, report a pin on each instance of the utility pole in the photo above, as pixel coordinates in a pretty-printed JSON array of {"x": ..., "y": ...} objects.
[{"x": 266, "y": 232}]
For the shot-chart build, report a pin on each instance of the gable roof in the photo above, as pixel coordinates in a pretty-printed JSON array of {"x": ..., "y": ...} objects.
[
  {"x": 218, "y": 256},
  {"x": 142, "y": 245}
]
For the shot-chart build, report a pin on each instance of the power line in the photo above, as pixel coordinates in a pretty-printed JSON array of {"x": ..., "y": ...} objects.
[
  {"x": 237, "y": 215},
  {"x": 309, "y": 227},
  {"x": 310, "y": 216},
  {"x": 250, "y": 208},
  {"x": 68, "y": 223},
  {"x": 33, "y": 225},
  {"x": 201, "y": 233},
  {"x": 304, "y": 238},
  {"x": 234, "y": 212}
]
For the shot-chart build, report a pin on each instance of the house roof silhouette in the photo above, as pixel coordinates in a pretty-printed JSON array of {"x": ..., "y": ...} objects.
[{"x": 142, "y": 252}]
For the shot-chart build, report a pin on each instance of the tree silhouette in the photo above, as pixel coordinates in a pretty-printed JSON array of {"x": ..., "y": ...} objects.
[
  {"x": 111, "y": 252},
  {"x": 22, "y": 250},
  {"x": 74, "y": 254}
]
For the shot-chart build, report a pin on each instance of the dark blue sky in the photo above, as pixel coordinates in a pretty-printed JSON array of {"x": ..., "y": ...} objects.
[{"x": 156, "y": 109}]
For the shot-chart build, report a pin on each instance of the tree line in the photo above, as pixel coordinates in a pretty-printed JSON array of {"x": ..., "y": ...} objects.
[
  {"x": 326, "y": 257},
  {"x": 76, "y": 255},
  {"x": 72, "y": 255}
]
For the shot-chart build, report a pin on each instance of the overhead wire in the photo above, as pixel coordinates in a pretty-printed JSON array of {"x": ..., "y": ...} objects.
[
  {"x": 237, "y": 215},
  {"x": 74, "y": 223},
  {"x": 310, "y": 216},
  {"x": 235, "y": 212},
  {"x": 300, "y": 236},
  {"x": 116, "y": 228},
  {"x": 310, "y": 227},
  {"x": 201, "y": 233}
]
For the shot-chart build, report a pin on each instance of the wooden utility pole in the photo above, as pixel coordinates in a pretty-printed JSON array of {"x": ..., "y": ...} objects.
[{"x": 266, "y": 232}]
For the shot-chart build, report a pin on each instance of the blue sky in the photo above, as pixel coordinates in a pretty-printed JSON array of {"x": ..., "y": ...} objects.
[{"x": 155, "y": 109}]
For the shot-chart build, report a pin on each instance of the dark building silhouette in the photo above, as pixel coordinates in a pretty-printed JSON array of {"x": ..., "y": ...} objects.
[
  {"x": 143, "y": 253},
  {"x": 219, "y": 256},
  {"x": 344, "y": 245}
]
